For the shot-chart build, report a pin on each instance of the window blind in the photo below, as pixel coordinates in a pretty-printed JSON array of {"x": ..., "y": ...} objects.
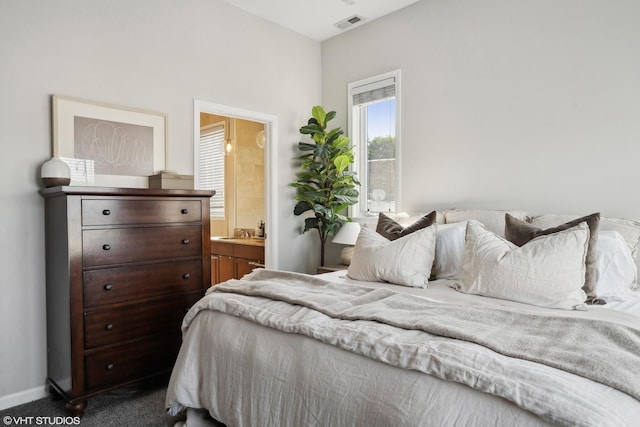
[
  {"x": 374, "y": 91},
  {"x": 212, "y": 166}
]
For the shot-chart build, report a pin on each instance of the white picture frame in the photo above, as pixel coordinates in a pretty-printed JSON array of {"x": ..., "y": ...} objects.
[{"x": 108, "y": 145}]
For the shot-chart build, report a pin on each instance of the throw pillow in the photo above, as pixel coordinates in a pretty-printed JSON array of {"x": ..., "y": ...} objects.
[
  {"x": 391, "y": 229},
  {"x": 628, "y": 229},
  {"x": 405, "y": 261},
  {"x": 449, "y": 250},
  {"x": 615, "y": 268},
  {"x": 520, "y": 232},
  {"x": 548, "y": 271}
]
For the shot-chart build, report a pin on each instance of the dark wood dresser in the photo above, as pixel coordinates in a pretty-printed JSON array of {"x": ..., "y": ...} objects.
[{"x": 123, "y": 267}]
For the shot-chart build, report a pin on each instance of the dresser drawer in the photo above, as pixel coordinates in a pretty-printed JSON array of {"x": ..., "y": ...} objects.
[
  {"x": 152, "y": 317},
  {"x": 131, "y": 361},
  {"x": 120, "y": 245},
  {"x": 118, "y": 211},
  {"x": 114, "y": 285}
]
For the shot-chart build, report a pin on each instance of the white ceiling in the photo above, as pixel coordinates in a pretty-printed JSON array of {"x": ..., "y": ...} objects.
[{"x": 316, "y": 19}]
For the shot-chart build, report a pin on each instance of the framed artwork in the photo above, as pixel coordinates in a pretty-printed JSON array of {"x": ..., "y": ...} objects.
[{"x": 108, "y": 145}]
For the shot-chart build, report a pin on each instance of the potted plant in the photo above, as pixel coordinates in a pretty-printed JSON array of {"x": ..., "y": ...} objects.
[{"x": 325, "y": 186}]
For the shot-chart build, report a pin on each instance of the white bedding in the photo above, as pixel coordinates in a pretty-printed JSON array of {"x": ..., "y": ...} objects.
[
  {"x": 247, "y": 374},
  {"x": 442, "y": 290}
]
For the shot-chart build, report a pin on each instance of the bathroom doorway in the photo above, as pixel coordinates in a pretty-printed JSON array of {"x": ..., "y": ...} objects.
[
  {"x": 237, "y": 160},
  {"x": 249, "y": 165}
]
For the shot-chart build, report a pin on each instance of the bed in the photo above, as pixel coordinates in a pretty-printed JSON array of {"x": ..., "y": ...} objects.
[{"x": 444, "y": 347}]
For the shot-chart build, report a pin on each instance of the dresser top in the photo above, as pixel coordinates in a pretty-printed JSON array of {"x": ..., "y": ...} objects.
[{"x": 111, "y": 191}]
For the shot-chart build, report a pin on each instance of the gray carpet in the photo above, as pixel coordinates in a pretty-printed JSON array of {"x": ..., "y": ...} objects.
[{"x": 134, "y": 406}]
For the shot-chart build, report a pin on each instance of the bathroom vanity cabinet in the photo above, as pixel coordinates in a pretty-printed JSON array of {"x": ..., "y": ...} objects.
[{"x": 233, "y": 258}]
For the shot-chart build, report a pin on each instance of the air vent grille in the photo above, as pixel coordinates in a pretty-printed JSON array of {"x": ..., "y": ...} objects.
[{"x": 346, "y": 23}]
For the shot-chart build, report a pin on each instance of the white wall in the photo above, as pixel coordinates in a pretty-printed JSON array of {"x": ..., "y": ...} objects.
[
  {"x": 531, "y": 105},
  {"x": 150, "y": 54}
]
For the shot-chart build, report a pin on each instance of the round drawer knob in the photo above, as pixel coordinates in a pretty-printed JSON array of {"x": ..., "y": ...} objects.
[
  {"x": 109, "y": 367},
  {"x": 108, "y": 287},
  {"x": 106, "y": 247},
  {"x": 109, "y": 327},
  {"x": 186, "y": 276},
  {"x": 184, "y": 211},
  {"x": 185, "y": 241},
  {"x": 106, "y": 212}
]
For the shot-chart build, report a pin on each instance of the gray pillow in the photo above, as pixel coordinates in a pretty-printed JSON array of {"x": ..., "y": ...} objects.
[
  {"x": 520, "y": 232},
  {"x": 390, "y": 228}
]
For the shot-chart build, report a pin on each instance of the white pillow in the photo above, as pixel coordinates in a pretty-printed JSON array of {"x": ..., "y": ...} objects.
[
  {"x": 492, "y": 219},
  {"x": 449, "y": 250},
  {"x": 615, "y": 268},
  {"x": 405, "y": 261},
  {"x": 628, "y": 229},
  {"x": 547, "y": 271}
]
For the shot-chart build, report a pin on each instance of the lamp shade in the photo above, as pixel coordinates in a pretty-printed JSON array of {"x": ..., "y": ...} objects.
[
  {"x": 348, "y": 234},
  {"x": 55, "y": 172}
]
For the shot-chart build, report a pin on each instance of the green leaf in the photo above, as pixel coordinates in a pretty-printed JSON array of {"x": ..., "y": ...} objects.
[
  {"x": 333, "y": 228},
  {"x": 302, "y": 207},
  {"x": 311, "y": 129},
  {"x": 341, "y": 142},
  {"x": 343, "y": 218},
  {"x": 318, "y": 113},
  {"x": 310, "y": 224},
  {"x": 330, "y": 116},
  {"x": 341, "y": 162},
  {"x": 323, "y": 151},
  {"x": 347, "y": 200},
  {"x": 313, "y": 194},
  {"x": 333, "y": 134},
  {"x": 321, "y": 209},
  {"x": 346, "y": 191},
  {"x": 305, "y": 146}
]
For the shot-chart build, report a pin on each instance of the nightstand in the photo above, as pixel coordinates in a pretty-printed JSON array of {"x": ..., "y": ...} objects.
[{"x": 330, "y": 268}]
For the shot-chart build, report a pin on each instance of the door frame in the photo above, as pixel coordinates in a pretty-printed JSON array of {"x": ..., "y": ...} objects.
[{"x": 270, "y": 123}]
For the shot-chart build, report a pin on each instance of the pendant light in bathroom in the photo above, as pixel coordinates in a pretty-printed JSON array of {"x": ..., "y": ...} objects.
[{"x": 229, "y": 146}]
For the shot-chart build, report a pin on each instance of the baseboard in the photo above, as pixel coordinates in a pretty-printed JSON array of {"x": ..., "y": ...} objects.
[{"x": 21, "y": 397}]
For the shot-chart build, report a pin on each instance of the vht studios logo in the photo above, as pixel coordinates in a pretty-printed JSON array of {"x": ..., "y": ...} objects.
[{"x": 40, "y": 421}]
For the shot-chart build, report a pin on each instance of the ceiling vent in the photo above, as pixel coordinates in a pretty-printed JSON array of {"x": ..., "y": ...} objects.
[{"x": 355, "y": 19}]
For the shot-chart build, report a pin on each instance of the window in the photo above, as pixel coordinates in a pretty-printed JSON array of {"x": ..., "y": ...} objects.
[
  {"x": 374, "y": 130},
  {"x": 211, "y": 166}
]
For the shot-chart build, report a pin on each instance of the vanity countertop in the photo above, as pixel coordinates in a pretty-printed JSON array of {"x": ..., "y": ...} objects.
[{"x": 252, "y": 241}]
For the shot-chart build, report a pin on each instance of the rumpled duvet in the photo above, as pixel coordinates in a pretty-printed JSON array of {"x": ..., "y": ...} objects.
[{"x": 555, "y": 367}]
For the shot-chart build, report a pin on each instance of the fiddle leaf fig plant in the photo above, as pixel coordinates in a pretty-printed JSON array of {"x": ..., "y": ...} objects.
[{"x": 325, "y": 185}]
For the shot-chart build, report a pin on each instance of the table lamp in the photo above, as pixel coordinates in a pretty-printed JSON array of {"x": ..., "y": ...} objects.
[{"x": 347, "y": 235}]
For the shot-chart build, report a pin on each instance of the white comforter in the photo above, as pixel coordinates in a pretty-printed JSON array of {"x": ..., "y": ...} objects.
[{"x": 251, "y": 375}]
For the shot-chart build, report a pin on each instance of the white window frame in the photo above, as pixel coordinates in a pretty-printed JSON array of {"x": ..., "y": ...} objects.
[{"x": 357, "y": 131}]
